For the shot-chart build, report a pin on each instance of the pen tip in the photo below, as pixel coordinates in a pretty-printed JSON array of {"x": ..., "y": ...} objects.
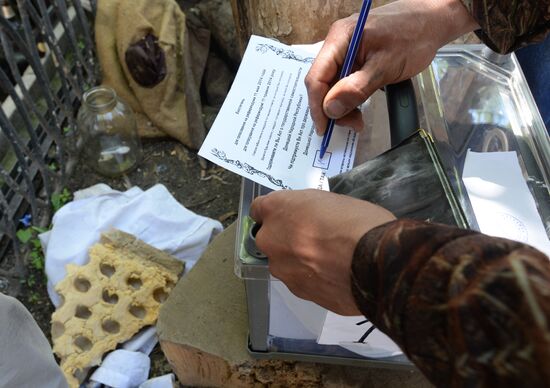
[{"x": 321, "y": 153}]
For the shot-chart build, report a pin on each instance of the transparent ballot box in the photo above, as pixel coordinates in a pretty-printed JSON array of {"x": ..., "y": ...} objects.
[{"x": 469, "y": 101}]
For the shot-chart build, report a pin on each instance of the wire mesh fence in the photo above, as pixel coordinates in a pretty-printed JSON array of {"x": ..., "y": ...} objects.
[{"x": 47, "y": 60}]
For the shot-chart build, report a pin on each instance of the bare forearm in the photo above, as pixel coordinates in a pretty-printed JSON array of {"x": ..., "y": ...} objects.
[
  {"x": 467, "y": 309},
  {"x": 452, "y": 20}
]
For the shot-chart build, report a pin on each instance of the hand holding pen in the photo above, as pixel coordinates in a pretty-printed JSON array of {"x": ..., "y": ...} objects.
[
  {"x": 399, "y": 41},
  {"x": 348, "y": 64}
]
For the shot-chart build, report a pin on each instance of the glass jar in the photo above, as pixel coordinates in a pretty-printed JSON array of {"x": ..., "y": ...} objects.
[{"x": 109, "y": 133}]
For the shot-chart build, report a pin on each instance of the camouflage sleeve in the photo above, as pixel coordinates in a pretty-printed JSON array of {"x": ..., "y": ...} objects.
[
  {"x": 467, "y": 309},
  {"x": 506, "y": 25}
]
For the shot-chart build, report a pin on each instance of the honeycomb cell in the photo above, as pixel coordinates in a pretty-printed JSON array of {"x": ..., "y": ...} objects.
[
  {"x": 109, "y": 296},
  {"x": 82, "y": 284},
  {"x": 83, "y": 343},
  {"x": 82, "y": 312},
  {"x": 80, "y": 375},
  {"x": 134, "y": 281},
  {"x": 110, "y": 326},
  {"x": 160, "y": 295},
  {"x": 137, "y": 311},
  {"x": 170, "y": 284},
  {"x": 57, "y": 329},
  {"x": 107, "y": 269}
]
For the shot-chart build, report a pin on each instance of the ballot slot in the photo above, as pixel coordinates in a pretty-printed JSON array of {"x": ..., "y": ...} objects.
[{"x": 407, "y": 180}]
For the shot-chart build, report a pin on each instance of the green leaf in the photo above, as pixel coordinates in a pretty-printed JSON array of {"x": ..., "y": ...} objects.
[
  {"x": 31, "y": 281},
  {"x": 60, "y": 199},
  {"x": 34, "y": 297},
  {"x": 56, "y": 201},
  {"x": 65, "y": 195},
  {"x": 24, "y": 235},
  {"x": 37, "y": 260},
  {"x": 39, "y": 229},
  {"x": 38, "y": 264}
]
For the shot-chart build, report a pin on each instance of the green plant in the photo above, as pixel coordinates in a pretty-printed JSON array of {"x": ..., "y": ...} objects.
[
  {"x": 34, "y": 297},
  {"x": 24, "y": 235},
  {"x": 31, "y": 280},
  {"x": 29, "y": 236},
  {"x": 37, "y": 259},
  {"x": 60, "y": 199}
]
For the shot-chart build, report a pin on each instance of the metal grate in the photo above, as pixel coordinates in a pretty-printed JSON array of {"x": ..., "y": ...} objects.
[{"x": 47, "y": 60}]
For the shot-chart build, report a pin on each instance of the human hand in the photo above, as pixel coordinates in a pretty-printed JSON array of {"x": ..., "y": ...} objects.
[
  {"x": 399, "y": 41},
  {"x": 309, "y": 237}
]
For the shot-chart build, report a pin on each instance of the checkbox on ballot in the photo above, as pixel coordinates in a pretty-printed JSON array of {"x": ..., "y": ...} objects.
[{"x": 322, "y": 163}]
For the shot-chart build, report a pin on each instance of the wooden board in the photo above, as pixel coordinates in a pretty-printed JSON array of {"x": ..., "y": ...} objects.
[{"x": 203, "y": 330}]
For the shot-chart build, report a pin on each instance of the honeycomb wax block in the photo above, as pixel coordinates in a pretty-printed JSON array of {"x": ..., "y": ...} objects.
[{"x": 108, "y": 300}]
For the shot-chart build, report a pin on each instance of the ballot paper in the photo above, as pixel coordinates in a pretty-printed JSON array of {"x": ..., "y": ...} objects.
[
  {"x": 501, "y": 200},
  {"x": 294, "y": 318},
  {"x": 264, "y": 130},
  {"x": 357, "y": 334}
]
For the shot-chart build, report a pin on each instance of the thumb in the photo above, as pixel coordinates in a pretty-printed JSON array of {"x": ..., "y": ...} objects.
[
  {"x": 351, "y": 91},
  {"x": 256, "y": 209}
]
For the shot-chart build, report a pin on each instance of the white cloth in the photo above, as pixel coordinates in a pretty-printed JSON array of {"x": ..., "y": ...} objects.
[
  {"x": 153, "y": 216},
  {"x": 143, "y": 342},
  {"x": 128, "y": 368},
  {"x": 122, "y": 369},
  {"x": 164, "y": 381}
]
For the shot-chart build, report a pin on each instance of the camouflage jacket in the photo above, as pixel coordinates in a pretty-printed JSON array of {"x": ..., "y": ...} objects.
[
  {"x": 469, "y": 310},
  {"x": 506, "y": 25}
]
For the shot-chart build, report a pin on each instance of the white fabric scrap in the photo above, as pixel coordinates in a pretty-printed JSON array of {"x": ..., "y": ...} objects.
[
  {"x": 164, "y": 381},
  {"x": 143, "y": 342},
  {"x": 153, "y": 216},
  {"x": 123, "y": 369},
  {"x": 92, "y": 191}
]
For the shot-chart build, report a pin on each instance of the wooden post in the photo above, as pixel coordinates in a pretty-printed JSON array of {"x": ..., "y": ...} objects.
[{"x": 291, "y": 21}]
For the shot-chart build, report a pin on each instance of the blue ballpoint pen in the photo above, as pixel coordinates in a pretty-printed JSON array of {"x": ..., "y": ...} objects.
[{"x": 348, "y": 64}]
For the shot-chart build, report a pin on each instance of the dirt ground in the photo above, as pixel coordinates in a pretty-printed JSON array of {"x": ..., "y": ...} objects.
[
  {"x": 200, "y": 187},
  {"x": 213, "y": 192}
]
